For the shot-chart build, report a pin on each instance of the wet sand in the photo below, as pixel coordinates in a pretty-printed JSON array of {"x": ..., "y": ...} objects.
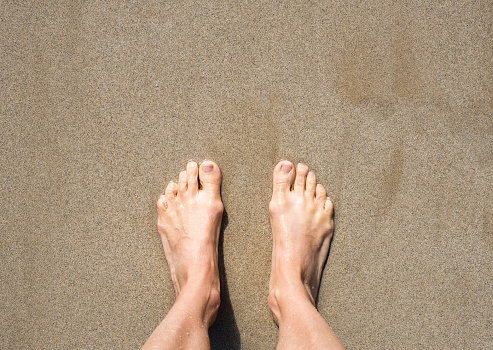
[{"x": 103, "y": 104}]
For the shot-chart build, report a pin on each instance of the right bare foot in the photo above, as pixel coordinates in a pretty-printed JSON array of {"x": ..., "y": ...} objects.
[
  {"x": 302, "y": 228},
  {"x": 189, "y": 221}
]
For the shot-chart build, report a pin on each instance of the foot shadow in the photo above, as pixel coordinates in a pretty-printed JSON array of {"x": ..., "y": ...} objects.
[{"x": 224, "y": 332}]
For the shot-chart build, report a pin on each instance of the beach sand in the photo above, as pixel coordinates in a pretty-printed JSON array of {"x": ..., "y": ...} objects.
[{"x": 103, "y": 103}]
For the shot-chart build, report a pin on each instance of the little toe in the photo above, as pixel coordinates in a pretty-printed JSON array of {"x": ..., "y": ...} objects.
[
  {"x": 311, "y": 184},
  {"x": 171, "y": 190},
  {"x": 283, "y": 177},
  {"x": 192, "y": 178},
  {"x": 329, "y": 206},
  {"x": 182, "y": 182},
  {"x": 162, "y": 204},
  {"x": 210, "y": 177},
  {"x": 300, "y": 180},
  {"x": 320, "y": 195}
]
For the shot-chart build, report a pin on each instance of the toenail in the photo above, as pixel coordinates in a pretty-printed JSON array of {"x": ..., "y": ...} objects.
[
  {"x": 207, "y": 168},
  {"x": 310, "y": 174},
  {"x": 286, "y": 168}
]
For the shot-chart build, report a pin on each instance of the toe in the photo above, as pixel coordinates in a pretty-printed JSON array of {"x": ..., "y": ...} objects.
[
  {"x": 300, "y": 180},
  {"x": 311, "y": 184},
  {"x": 320, "y": 195},
  {"x": 171, "y": 190},
  {"x": 210, "y": 177},
  {"x": 162, "y": 204},
  {"x": 182, "y": 182},
  {"x": 329, "y": 206},
  {"x": 283, "y": 176},
  {"x": 192, "y": 178}
]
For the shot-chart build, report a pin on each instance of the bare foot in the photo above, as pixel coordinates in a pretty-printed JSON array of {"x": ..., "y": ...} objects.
[
  {"x": 302, "y": 228},
  {"x": 189, "y": 221}
]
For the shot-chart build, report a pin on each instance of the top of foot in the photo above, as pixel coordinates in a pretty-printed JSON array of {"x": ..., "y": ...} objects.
[
  {"x": 189, "y": 222},
  {"x": 302, "y": 228}
]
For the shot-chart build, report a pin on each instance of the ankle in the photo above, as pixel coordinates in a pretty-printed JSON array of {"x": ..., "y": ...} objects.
[
  {"x": 202, "y": 299},
  {"x": 288, "y": 295}
]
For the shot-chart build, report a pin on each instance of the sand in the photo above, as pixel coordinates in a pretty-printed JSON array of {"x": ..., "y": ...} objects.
[{"x": 103, "y": 103}]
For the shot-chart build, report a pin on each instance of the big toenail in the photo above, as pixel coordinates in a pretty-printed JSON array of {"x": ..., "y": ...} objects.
[
  {"x": 207, "y": 168},
  {"x": 286, "y": 168}
]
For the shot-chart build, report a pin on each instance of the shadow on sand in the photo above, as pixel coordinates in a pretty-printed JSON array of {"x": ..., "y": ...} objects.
[{"x": 224, "y": 333}]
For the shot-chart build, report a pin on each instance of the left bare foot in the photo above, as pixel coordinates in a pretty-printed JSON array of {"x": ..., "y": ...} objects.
[{"x": 189, "y": 221}]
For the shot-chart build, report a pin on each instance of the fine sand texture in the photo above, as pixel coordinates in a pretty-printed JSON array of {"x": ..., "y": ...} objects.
[{"x": 102, "y": 103}]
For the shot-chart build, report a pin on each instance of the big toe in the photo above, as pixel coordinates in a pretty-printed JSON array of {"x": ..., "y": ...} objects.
[
  {"x": 283, "y": 177},
  {"x": 210, "y": 177}
]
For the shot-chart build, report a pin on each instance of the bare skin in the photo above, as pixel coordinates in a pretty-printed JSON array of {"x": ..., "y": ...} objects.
[
  {"x": 189, "y": 221},
  {"x": 302, "y": 228}
]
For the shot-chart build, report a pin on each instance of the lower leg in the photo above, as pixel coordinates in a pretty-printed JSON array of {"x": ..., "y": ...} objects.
[
  {"x": 187, "y": 323},
  {"x": 189, "y": 221},
  {"x": 300, "y": 324},
  {"x": 302, "y": 228}
]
